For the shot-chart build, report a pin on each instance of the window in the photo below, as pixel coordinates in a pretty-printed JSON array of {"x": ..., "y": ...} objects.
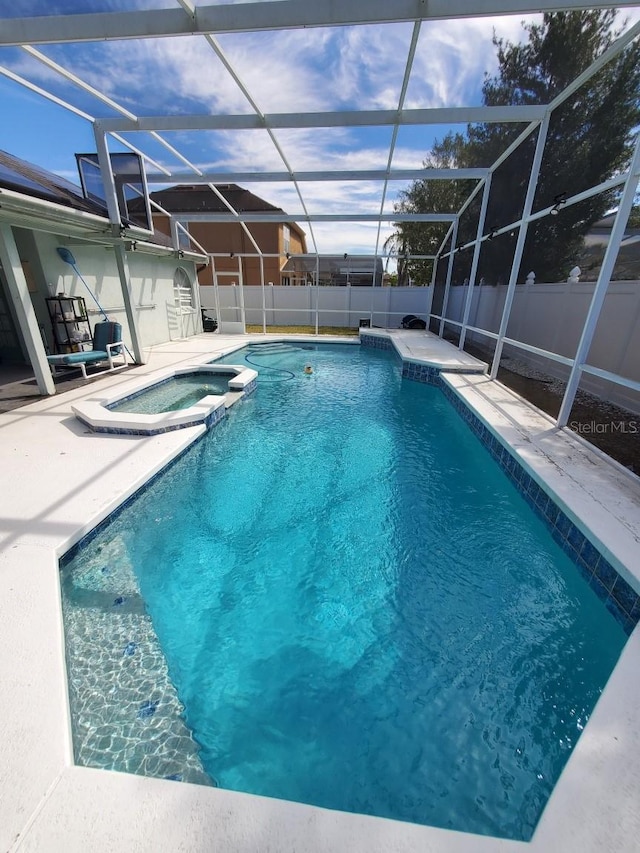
[
  {"x": 183, "y": 291},
  {"x": 286, "y": 238},
  {"x": 184, "y": 239},
  {"x": 130, "y": 185}
]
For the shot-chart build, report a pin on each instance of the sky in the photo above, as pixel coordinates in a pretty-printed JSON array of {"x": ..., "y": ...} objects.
[{"x": 307, "y": 70}]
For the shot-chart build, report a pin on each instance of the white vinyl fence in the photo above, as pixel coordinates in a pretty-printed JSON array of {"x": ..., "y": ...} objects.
[
  {"x": 328, "y": 306},
  {"x": 551, "y": 317}
]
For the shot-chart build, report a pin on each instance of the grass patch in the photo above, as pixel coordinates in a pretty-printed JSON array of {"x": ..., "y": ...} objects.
[{"x": 303, "y": 330}]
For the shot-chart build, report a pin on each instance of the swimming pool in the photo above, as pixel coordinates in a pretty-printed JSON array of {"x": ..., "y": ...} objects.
[{"x": 377, "y": 621}]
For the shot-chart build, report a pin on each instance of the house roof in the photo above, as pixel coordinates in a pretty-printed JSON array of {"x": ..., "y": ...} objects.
[
  {"x": 200, "y": 198},
  {"x": 606, "y": 224},
  {"x": 26, "y": 178}
]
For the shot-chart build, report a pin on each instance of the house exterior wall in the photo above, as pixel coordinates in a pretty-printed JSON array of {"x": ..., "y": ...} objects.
[
  {"x": 151, "y": 282},
  {"x": 297, "y": 243},
  {"x": 223, "y": 237}
]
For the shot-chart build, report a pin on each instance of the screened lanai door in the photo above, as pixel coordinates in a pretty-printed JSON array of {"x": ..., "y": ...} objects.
[{"x": 229, "y": 290}]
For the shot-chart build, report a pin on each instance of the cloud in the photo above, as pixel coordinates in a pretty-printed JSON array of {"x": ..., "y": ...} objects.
[
  {"x": 452, "y": 58},
  {"x": 305, "y": 70}
]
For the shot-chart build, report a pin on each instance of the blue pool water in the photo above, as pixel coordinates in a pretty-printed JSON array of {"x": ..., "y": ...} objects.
[
  {"x": 179, "y": 392},
  {"x": 357, "y": 608}
]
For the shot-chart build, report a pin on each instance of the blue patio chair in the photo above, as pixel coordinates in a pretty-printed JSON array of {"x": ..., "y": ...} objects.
[{"x": 107, "y": 345}]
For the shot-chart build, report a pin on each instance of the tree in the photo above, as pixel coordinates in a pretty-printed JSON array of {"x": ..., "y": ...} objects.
[
  {"x": 634, "y": 216},
  {"x": 417, "y": 238},
  {"x": 589, "y": 140}
]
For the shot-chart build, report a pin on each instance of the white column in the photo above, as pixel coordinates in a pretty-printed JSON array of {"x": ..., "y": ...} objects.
[
  {"x": 175, "y": 237},
  {"x": 216, "y": 295},
  {"x": 428, "y": 289},
  {"x": 434, "y": 270},
  {"x": 125, "y": 283},
  {"x": 21, "y": 299},
  {"x": 120, "y": 253},
  {"x": 317, "y": 290},
  {"x": 388, "y": 319},
  {"x": 104, "y": 161},
  {"x": 373, "y": 287},
  {"x": 264, "y": 306}
]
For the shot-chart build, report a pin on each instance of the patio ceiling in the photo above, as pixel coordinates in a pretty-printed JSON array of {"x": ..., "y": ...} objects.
[{"x": 176, "y": 141}]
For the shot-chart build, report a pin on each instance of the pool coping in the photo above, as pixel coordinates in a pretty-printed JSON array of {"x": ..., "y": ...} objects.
[
  {"x": 209, "y": 410},
  {"x": 47, "y": 803},
  {"x": 423, "y": 349}
]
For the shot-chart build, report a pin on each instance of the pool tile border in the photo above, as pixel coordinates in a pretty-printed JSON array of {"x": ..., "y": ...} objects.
[
  {"x": 209, "y": 421},
  {"x": 424, "y": 373},
  {"x": 618, "y": 596},
  {"x": 376, "y": 342},
  {"x": 250, "y": 387},
  {"x": 71, "y": 552},
  {"x": 622, "y": 601}
]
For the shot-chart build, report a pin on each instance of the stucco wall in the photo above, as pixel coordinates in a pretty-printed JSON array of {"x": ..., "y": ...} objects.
[{"x": 151, "y": 281}]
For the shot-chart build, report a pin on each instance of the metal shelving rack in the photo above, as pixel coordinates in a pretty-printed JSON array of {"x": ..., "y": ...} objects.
[{"x": 69, "y": 323}]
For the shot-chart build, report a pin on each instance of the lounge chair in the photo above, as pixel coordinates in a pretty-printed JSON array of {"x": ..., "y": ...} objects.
[{"x": 107, "y": 345}]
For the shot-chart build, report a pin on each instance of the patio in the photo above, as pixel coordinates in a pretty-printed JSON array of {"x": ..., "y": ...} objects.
[{"x": 65, "y": 479}]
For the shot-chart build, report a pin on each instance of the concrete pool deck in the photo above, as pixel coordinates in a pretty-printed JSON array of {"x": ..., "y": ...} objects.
[{"x": 60, "y": 480}]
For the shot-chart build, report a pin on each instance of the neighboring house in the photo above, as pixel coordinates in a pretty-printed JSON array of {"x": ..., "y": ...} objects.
[
  {"x": 190, "y": 205},
  {"x": 333, "y": 270},
  {"x": 596, "y": 240},
  {"x": 137, "y": 278},
  {"x": 600, "y": 232}
]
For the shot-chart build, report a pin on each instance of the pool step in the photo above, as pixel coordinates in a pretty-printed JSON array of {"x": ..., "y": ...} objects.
[
  {"x": 105, "y": 600},
  {"x": 126, "y": 714}
]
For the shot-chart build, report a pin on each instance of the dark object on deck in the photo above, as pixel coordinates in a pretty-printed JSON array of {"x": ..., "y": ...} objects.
[
  {"x": 413, "y": 322},
  {"x": 365, "y": 323},
  {"x": 209, "y": 324}
]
